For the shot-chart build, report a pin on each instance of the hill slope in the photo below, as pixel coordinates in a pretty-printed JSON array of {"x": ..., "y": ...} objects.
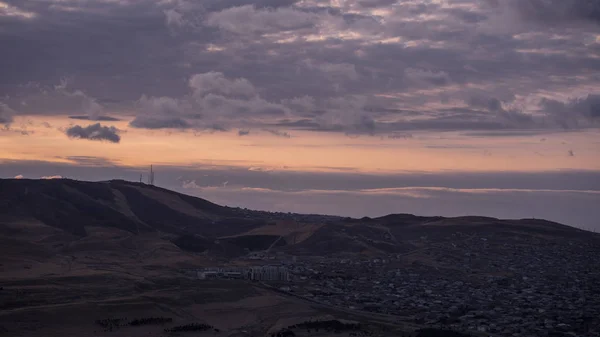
[
  {"x": 73, "y": 205},
  {"x": 68, "y": 211}
]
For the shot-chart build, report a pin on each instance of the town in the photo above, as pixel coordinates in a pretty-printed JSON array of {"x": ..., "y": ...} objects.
[{"x": 504, "y": 290}]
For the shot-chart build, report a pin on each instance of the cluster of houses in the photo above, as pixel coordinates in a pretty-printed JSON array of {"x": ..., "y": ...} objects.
[{"x": 255, "y": 273}]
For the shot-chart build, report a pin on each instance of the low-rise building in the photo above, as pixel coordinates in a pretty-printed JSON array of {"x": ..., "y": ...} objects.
[{"x": 255, "y": 273}]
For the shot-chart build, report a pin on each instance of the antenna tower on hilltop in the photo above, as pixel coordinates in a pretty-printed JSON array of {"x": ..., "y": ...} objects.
[{"x": 151, "y": 176}]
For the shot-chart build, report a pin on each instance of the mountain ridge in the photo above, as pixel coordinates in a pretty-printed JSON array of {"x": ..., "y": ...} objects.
[{"x": 81, "y": 208}]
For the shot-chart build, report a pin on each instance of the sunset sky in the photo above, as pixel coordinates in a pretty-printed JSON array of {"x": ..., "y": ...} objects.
[{"x": 348, "y": 107}]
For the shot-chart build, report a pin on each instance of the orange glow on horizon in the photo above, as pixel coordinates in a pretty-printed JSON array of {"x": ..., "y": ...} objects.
[{"x": 307, "y": 151}]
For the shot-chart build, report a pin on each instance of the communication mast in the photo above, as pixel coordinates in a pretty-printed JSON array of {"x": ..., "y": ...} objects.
[{"x": 151, "y": 176}]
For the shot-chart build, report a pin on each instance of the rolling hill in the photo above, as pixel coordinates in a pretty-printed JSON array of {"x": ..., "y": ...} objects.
[{"x": 61, "y": 215}]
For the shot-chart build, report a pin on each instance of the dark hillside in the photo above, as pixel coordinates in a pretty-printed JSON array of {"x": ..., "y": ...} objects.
[
  {"x": 195, "y": 224},
  {"x": 66, "y": 205},
  {"x": 72, "y": 205},
  {"x": 155, "y": 214}
]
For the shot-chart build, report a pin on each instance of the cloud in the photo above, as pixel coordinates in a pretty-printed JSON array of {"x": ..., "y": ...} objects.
[
  {"x": 511, "y": 117},
  {"x": 94, "y": 132},
  {"x": 243, "y": 63},
  {"x": 216, "y": 83},
  {"x": 376, "y": 3},
  {"x": 251, "y": 20},
  {"x": 7, "y": 10},
  {"x": 217, "y": 127},
  {"x": 22, "y": 129},
  {"x": 347, "y": 114},
  {"x": 159, "y": 122},
  {"x": 161, "y": 105},
  {"x": 51, "y": 177},
  {"x": 90, "y": 161},
  {"x": 214, "y": 102},
  {"x": 174, "y": 18},
  {"x": 216, "y": 106},
  {"x": 96, "y": 118},
  {"x": 514, "y": 17},
  {"x": 364, "y": 124},
  {"x": 571, "y": 153},
  {"x": 489, "y": 103},
  {"x": 427, "y": 76},
  {"x": 38, "y": 99},
  {"x": 260, "y": 169},
  {"x": 515, "y": 117},
  {"x": 190, "y": 185},
  {"x": 218, "y": 97},
  {"x": 339, "y": 72},
  {"x": 90, "y": 106},
  {"x": 558, "y": 11},
  {"x": 300, "y": 105},
  {"x": 278, "y": 133},
  {"x": 575, "y": 113},
  {"x": 161, "y": 113},
  {"x": 19, "y": 176},
  {"x": 400, "y": 136},
  {"x": 243, "y": 132},
  {"x": 6, "y": 114}
]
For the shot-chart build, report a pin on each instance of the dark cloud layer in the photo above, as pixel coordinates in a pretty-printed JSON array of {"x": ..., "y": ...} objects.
[
  {"x": 321, "y": 65},
  {"x": 94, "y": 132},
  {"x": 574, "y": 113},
  {"x": 552, "y": 11}
]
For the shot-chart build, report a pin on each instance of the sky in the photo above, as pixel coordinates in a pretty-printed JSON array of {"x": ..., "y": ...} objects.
[{"x": 345, "y": 107}]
